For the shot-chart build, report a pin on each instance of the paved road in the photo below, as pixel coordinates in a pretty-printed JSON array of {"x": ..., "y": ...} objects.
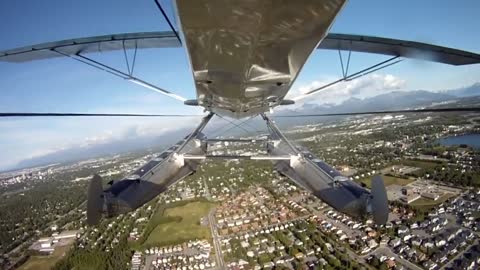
[
  {"x": 385, "y": 250},
  {"x": 458, "y": 255},
  {"x": 207, "y": 190},
  {"x": 216, "y": 241},
  {"x": 148, "y": 261}
]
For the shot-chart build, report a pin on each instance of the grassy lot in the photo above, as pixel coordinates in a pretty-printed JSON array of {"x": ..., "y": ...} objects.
[
  {"x": 388, "y": 180},
  {"x": 45, "y": 262},
  {"x": 184, "y": 225},
  {"x": 421, "y": 163},
  {"x": 427, "y": 204}
]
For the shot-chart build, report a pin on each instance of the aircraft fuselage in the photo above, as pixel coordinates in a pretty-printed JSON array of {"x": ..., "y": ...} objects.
[{"x": 245, "y": 55}]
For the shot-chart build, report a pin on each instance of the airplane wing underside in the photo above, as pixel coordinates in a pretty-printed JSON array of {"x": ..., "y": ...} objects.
[
  {"x": 244, "y": 55},
  {"x": 97, "y": 44},
  {"x": 167, "y": 39}
]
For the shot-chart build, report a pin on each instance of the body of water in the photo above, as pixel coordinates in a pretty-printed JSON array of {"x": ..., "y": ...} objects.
[{"x": 472, "y": 140}]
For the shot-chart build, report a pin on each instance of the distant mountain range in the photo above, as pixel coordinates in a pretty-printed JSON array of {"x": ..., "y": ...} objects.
[
  {"x": 389, "y": 101},
  {"x": 472, "y": 90},
  {"x": 395, "y": 100},
  {"x": 130, "y": 144}
]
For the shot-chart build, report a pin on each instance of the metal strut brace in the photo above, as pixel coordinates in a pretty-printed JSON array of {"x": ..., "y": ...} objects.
[
  {"x": 126, "y": 58},
  {"x": 345, "y": 70},
  {"x": 341, "y": 63},
  {"x": 355, "y": 75},
  {"x": 233, "y": 123},
  {"x": 276, "y": 131},
  {"x": 348, "y": 61},
  {"x": 135, "y": 79},
  {"x": 90, "y": 62},
  {"x": 134, "y": 58},
  {"x": 218, "y": 133},
  {"x": 237, "y": 140},
  {"x": 200, "y": 127},
  {"x": 159, "y": 6},
  {"x": 203, "y": 157}
]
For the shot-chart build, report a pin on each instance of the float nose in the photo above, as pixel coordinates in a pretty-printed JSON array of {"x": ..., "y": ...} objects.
[
  {"x": 95, "y": 200},
  {"x": 379, "y": 201}
]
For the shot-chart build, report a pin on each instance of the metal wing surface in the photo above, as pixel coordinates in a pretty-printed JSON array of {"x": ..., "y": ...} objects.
[
  {"x": 95, "y": 44},
  {"x": 167, "y": 39},
  {"x": 397, "y": 47}
]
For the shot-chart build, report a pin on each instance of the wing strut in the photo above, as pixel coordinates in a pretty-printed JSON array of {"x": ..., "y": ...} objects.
[
  {"x": 103, "y": 67},
  {"x": 168, "y": 20},
  {"x": 275, "y": 131},
  {"x": 389, "y": 62}
]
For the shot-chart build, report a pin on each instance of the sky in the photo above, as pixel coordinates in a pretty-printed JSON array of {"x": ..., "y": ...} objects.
[{"x": 64, "y": 85}]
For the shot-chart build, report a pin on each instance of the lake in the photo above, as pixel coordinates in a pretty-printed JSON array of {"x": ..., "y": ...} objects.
[{"x": 472, "y": 140}]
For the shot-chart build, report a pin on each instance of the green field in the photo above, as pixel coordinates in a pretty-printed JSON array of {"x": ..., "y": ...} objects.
[
  {"x": 424, "y": 164},
  {"x": 426, "y": 204},
  {"x": 388, "y": 180},
  {"x": 44, "y": 262},
  {"x": 184, "y": 225}
]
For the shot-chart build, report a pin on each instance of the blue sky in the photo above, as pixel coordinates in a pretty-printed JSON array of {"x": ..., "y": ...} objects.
[{"x": 65, "y": 85}]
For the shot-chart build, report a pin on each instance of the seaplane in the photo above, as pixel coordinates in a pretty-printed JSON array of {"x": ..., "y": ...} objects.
[{"x": 244, "y": 57}]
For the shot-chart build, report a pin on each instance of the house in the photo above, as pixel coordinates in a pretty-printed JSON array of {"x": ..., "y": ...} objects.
[
  {"x": 403, "y": 248},
  {"x": 390, "y": 263},
  {"x": 407, "y": 237},
  {"x": 279, "y": 261},
  {"x": 268, "y": 265},
  {"x": 384, "y": 239},
  {"x": 443, "y": 221},
  {"x": 471, "y": 266},
  {"x": 421, "y": 256},
  {"x": 412, "y": 254},
  {"x": 430, "y": 265},
  {"x": 299, "y": 255},
  {"x": 242, "y": 262},
  {"x": 395, "y": 242},
  {"x": 403, "y": 229},
  {"x": 451, "y": 237},
  {"x": 436, "y": 228},
  {"x": 372, "y": 243},
  {"x": 366, "y": 250},
  {"x": 417, "y": 242},
  {"x": 440, "y": 242},
  {"x": 329, "y": 247}
]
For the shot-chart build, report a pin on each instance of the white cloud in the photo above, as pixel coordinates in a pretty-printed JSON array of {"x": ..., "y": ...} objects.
[
  {"x": 30, "y": 138},
  {"x": 367, "y": 86}
]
